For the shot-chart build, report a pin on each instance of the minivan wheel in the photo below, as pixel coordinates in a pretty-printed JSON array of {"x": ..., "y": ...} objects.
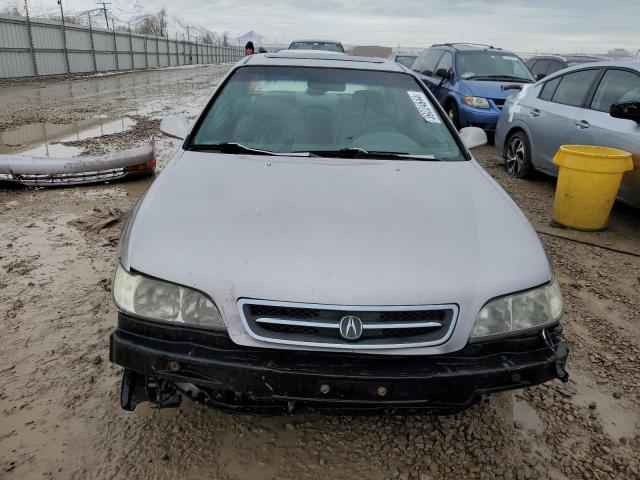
[
  {"x": 452, "y": 113},
  {"x": 517, "y": 155}
]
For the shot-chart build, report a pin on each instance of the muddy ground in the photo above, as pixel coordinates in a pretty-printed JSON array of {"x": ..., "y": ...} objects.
[{"x": 59, "y": 412}]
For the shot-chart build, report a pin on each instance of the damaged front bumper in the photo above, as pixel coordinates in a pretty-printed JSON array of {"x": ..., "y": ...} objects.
[
  {"x": 163, "y": 362},
  {"x": 50, "y": 172}
]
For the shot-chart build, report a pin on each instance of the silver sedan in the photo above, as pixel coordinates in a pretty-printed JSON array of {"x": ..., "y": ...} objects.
[
  {"x": 324, "y": 235},
  {"x": 598, "y": 104}
]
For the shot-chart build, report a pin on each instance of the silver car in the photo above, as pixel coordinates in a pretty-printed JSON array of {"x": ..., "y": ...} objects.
[
  {"x": 594, "y": 104},
  {"x": 404, "y": 57},
  {"x": 324, "y": 238}
]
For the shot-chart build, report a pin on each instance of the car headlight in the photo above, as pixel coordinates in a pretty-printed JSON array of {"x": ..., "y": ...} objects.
[
  {"x": 157, "y": 300},
  {"x": 534, "y": 308},
  {"x": 477, "y": 102}
]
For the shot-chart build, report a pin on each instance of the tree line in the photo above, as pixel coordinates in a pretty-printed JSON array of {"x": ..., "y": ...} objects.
[{"x": 154, "y": 24}]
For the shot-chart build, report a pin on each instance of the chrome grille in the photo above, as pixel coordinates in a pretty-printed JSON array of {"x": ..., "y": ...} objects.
[
  {"x": 45, "y": 180},
  {"x": 319, "y": 325}
]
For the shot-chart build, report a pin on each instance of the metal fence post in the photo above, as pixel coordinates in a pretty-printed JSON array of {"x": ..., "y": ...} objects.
[
  {"x": 133, "y": 65},
  {"x": 115, "y": 43},
  {"x": 146, "y": 55},
  {"x": 30, "y": 36},
  {"x": 177, "y": 57},
  {"x": 93, "y": 46},
  {"x": 157, "y": 53},
  {"x": 64, "y": 39},
  {"x": 168, "y": 53}
]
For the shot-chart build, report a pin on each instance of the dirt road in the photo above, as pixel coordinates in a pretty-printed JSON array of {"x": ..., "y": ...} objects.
[{"x": 59, "y": 413}]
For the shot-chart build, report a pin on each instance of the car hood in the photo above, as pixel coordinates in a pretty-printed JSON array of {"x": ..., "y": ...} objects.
[
  {"x": 486, "y": 89},
  {"x": 334, "y": 231}
]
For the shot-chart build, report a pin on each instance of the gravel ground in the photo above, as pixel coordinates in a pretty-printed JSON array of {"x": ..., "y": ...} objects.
[{"x": 59, "y": 413}]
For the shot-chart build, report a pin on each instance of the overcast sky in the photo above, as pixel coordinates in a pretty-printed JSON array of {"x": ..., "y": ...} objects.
[
  {"x": 588, "y": 26},
  {"x": 523, "y": 25}
]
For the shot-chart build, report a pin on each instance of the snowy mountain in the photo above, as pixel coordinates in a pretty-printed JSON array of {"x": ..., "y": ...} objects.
[
  {"x": 251, "y": 36},
  {"x": 124, "y": 12}
]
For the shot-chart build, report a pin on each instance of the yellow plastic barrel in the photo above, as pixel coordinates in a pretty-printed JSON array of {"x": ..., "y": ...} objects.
[{"x": 588, "y": 183}]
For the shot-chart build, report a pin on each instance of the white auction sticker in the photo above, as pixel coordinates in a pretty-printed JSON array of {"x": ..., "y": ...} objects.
[{"x": 423, "y": 105}]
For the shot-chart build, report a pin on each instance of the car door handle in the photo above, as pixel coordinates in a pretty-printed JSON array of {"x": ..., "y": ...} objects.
[
  {"x": 535, "y": 112},
  {"x": 582, "y": 124}
]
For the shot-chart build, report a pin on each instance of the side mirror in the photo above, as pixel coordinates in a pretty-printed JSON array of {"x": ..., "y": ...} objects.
[
  {"x": 175, "y": 126},
  {"x": 444, "y": 73},
  {"x": 540, "y": 76},
  {"x": 427, "y": 73},
  {"x": 626, "y": 110},
  {"x": 473, "y": 137}
]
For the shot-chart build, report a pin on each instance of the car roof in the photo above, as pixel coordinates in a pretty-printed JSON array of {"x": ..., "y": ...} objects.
[
  {"x": 304, "y": 51},
  {"x": 467, "y": 46},
  {"x": 568, "y": 58},
  {"x": 321, "y": 59},
  {"x": 618, "y": 63},
  {"x": 405, "y": 54},
  {"x": 315, "y": 40}
]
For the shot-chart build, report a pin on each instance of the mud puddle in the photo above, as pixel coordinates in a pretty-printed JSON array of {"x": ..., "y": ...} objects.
[
  {"x": 48, "y": 139},
  {"x": 615, "y": 415}
]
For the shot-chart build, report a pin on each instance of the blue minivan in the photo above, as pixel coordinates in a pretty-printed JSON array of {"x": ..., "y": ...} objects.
[{"x": 472, "y": 81}]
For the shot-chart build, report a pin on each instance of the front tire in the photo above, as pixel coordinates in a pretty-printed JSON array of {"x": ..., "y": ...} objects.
[
  {"x": 517, "y": 155},
  {"x": 452, "y": 113}
]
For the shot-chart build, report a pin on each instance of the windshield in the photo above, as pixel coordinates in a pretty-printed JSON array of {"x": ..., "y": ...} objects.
[
  {"x": 482, "y": 65},
  {"x": 327, "y": 46},
  {"x": 406, "y": 60},
  {"x": 298, "y": 109}
]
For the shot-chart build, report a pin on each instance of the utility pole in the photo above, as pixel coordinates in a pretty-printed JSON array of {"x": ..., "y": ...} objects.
[
  {"x": 104, "y": 9},
  {"x": 162, "y": 15}
]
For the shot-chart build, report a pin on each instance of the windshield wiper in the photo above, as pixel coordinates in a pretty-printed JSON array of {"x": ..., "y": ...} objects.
[
  {"x": 500, "y": 77},
  {"x": 233, "y": 148},
  {"x": 362, "y": 153},
  {"x": 238, "y": 148}
]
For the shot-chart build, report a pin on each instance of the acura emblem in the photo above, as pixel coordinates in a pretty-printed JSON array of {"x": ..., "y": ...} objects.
[{"x": 350, "y": 327}]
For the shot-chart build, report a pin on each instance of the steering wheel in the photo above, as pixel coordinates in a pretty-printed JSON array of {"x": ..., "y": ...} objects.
[{"x": 380, "y": 126}]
